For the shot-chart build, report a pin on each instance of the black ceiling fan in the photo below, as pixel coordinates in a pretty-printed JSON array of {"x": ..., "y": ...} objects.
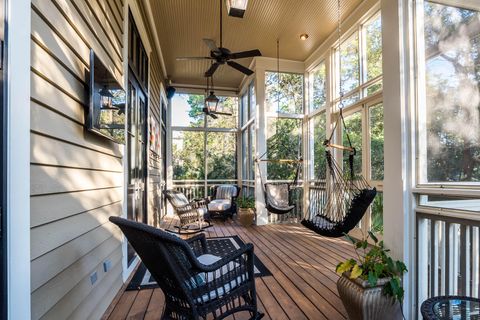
[{"x": 221, "y": 55}]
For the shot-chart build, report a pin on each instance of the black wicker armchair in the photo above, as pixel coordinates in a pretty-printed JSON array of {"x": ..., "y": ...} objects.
[
  {"x": 194, "y": 288},
  {"x": 193, "y": 215}
]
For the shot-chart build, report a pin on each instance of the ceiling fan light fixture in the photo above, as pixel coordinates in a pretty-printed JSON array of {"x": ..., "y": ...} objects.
[
  {"x": 236, "y": 8},
  {"x": 211, "y": 102},
  {"x": 303, "y": 36}
]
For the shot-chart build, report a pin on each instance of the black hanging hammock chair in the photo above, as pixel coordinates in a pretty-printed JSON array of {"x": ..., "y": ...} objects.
[
  {"x": 340, "y": 200},
  {"x": 278, "y": 195}
]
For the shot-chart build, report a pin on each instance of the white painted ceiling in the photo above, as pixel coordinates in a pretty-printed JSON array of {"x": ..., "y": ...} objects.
[{"x": 182, "y": 24}]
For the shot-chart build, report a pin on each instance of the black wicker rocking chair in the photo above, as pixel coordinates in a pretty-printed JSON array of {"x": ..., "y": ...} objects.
[{"x": 194, "y": 290}]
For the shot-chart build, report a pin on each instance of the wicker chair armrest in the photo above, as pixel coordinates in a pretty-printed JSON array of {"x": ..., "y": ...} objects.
[
  {"x": 198, "y": 244},
  {"x": 199, "y": 203},
  {"x": 246, "y": 249}
]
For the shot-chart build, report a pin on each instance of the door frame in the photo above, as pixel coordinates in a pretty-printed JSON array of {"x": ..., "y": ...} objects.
[
  {"x": 17, "y": 158},
  {"x": 132, "y": 7}
]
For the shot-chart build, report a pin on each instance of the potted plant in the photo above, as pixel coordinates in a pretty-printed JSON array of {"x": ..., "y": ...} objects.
[
  {"x": 370, "y": 286},
  {"x": 246, "y": 210}
]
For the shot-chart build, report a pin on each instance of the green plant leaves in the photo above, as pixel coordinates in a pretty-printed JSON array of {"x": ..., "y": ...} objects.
[
  {"x": 356, "y": 272},
  {"x": 374, "y": 263}
]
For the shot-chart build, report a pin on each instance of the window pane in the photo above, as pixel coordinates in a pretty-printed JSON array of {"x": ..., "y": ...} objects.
[
  {"x": 251, "y": 131},
  {"x": 188, "y": 159},
  {"x": 376, "y": 217},
  {"x": 253, "y": 101},
  {"x": 244, "y": 155},
  {"x": 373, "y": 88},
  {"x": 187, "y": 110},
  {"x": 244, "y": 108},
  {"x": 225, "y": 105},
  {"x": 319, "y": 136},
  {"x": 373, "y": 30},
  {"x": 452, "y": 94},
  {"x": 352, "y": 99},
  {"x": 283, "y": 142},
  {"x": 286, "y": 95},
  {"x": 221, "y": 153},
  {"x": 350, "y": 66},
  {"x": 319, "y": 94},
  {"x": 353, "y": 125},
  {"x": 376, "y": 141},
  {"x": 450, "y": 202}
]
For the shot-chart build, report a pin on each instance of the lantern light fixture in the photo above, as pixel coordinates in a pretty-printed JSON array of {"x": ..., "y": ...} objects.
[
  {"x": 106, "y": 98},
  {"x": 236, "y": 8},
  {"x": 212, "y": 102}
]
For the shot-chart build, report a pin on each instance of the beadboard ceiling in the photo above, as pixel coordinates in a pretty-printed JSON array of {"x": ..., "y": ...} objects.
[{"x": 182, "y": 24}]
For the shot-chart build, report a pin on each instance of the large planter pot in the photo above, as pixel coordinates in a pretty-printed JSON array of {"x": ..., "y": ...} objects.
[
  {"x": 364, "y": 302},
  {"x": 246, "y": 216}
]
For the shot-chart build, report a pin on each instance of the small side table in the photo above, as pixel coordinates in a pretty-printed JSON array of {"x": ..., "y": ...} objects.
[{"x": 451, "y": 308}]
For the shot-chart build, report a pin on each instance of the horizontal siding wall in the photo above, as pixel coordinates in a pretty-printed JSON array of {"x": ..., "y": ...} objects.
[{"x": 76, "y": 176}]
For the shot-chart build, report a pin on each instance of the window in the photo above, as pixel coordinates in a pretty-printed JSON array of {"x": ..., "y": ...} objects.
[
  {"x": 284, "y": 141},
  {"x": 253, "y": 101},
  {"x": 450, "y": 146},
  {"x": 187, "y": 110},
  {"x": 203, "y": 148},
  {"x": 221, "y": 156},
  {"x": 350, "y": 65},
  {"x": 225, "y": 105},
  {"x": 248, "y": 137},
  {"x": 376, "y": 142},
  {"x": 284, "y": 92},
  {"x": 353, "y": 124},
  {"x": 318, "y": 88},
  {"x": 319, "y": 131},
  {"x": 361, "y": 65},
  {"x": 188, "y": 159}
]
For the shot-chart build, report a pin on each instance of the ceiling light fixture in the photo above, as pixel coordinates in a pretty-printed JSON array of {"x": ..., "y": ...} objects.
[
  {"x": 303, "y": 36},
  {"x": 236, "y": 8}
]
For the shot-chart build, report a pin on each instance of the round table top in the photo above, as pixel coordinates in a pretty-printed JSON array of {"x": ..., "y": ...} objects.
[{"x": 451, "y": 307}]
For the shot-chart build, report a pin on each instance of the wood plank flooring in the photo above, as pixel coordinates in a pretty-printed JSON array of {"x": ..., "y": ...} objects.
[{"x": 302, "y": 285}]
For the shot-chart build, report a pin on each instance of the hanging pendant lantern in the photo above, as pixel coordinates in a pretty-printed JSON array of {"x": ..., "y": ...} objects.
[{"x": 212, "y": 102}]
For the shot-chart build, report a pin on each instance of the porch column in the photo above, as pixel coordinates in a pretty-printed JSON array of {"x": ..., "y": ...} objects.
[
  {"x": 261, "y": 144},
  {"x": 17, "y": 130},
  {"x": 398, "y": 211}
]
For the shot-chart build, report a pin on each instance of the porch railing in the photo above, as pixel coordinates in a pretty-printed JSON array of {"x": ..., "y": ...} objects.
[
  {"x": 448, "y": 256},
  {"x": 196, "y": 189}
]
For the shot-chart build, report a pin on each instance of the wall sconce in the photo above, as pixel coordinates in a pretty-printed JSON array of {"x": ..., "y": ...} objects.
[
  {"x": 236, "y": 8},
  {"x": 106, "y": 98}
]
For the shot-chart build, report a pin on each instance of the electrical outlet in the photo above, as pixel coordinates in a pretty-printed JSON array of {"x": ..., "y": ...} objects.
[
  {"x": 107, "y": 265},
  {"x": 93, "y": 277}
]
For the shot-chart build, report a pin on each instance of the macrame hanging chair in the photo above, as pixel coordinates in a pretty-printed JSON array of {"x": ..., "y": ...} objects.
[
  {"x": 341, "y": 200},
  {"x": 278, "y": 195}
]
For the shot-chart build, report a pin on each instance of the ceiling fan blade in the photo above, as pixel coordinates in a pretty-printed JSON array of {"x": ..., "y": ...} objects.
[
  {"x": 193, "y": 58},
  {"x": 213, "y": 115},
  {"x": 240, "y": 68},
  {"x": 245, "y": 54},
  {"x": 211, "y": 70},
  {"x": 211, "y": 45}
]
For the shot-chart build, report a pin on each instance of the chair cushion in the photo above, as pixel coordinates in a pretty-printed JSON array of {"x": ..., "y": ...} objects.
[
  {"x": 219, "y": 205},
  {"x": 179, "y": 199},
  {"x": 208, "y": 259},
  {"x": 226, "y": 191}
]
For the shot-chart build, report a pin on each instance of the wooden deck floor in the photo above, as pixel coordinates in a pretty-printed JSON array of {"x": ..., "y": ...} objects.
[{"x": 302, "y": 285}]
